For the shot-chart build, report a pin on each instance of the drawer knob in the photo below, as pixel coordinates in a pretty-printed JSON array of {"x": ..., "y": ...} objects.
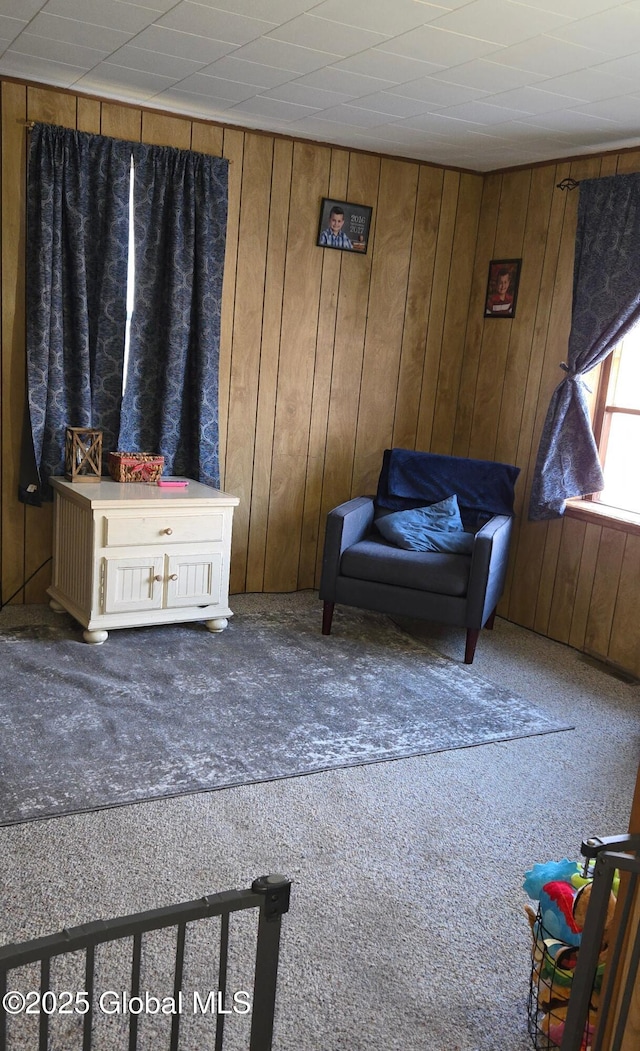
[
  {"x": 174, "y": 576},
  {"x": 158, "y": 578},
  {"x": 168, "y": 531}
]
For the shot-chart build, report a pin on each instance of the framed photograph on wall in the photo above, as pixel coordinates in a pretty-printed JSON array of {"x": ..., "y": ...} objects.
[
  {"x": 344, "y": 226},
  {"x": 502, "y": 288}
]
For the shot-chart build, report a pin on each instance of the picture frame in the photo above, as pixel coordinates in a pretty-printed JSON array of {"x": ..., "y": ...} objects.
[
  {"x": 502, "y": 288},
  {"x": 344, "y": 225}
]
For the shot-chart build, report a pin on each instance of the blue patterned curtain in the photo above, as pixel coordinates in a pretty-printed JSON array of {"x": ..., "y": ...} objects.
[
  {"x": 77, "y": 232},
  {"x": 171, "y": 397},
  {"x": 77, "y": 251},
  {"x": 606, "y": 305}
]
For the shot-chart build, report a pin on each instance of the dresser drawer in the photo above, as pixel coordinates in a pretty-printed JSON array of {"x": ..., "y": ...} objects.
[{"x": 131, "y": 530}]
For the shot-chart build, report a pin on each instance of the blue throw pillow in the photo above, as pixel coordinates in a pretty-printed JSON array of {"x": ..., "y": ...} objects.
[{"x": 434, "y": 528}]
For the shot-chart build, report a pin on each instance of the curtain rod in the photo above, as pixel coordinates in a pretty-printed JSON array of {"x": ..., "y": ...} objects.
[{"x": 30, "y": 125}]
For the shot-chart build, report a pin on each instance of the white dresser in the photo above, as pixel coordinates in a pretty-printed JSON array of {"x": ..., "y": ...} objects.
[{"x": 127, "y": 554}]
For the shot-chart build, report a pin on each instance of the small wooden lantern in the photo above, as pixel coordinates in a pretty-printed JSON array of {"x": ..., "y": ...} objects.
[{"x": 83, "y": 454}]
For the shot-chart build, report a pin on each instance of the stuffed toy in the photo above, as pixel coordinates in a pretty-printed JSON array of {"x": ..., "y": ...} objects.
[
  {"x": 562, "y": 891},
  {"x": 553, "y": 1025},
  {"x": 565, "y": 871}
]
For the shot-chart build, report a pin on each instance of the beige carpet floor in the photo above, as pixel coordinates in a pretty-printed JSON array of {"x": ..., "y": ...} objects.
[{"x": 407, "y": 929}]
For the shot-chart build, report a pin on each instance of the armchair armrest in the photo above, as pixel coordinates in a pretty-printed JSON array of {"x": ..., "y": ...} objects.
[
  {"x": 488, "y": 571},
  {"x": 346, "y": 525}
]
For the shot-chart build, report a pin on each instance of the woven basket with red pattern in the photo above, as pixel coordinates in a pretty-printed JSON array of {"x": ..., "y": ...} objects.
[{"x": 135, "y": 467}]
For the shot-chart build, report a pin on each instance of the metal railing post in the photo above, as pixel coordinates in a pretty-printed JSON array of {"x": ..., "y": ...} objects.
[
  {"x": 276, "y": 890},
  {"x": 607, "y": 861}
]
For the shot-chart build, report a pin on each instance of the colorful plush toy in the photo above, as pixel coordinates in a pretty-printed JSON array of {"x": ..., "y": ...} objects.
[
  {"x": 553, "y": 1026},
  {"x": 565, "y": 870},
  {"x": 562, "y": 891}
]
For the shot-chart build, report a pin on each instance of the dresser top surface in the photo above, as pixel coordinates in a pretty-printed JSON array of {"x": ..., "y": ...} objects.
[{"x": 107, "y": 493}]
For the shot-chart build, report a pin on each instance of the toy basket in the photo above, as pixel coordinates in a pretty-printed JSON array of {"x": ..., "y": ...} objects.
[
  {"x": 553, "y": 964},
  {"x": 135, "y": 467},
  {"x": 574, "y": 945}
]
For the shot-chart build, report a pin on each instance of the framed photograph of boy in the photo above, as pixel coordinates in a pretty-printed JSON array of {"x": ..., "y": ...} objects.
[
  {"x": 344, "y": 226},
  {"x": 502, "y": 288}
]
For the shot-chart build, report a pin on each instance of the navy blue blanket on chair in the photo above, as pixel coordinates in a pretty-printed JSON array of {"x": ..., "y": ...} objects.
[{"x": 415, "y": 479}]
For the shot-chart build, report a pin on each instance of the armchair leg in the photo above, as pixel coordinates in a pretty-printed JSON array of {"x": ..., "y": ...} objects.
[
  {"x": 327, "y": 617},
  {"x": 473, "y": 634},
  {"x": 470, "y": 648}
]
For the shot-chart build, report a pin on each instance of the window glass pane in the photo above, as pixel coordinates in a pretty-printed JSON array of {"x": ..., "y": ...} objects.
[
  {"x": 625, "y": 375},
  {"x": 622, "y": 477}
]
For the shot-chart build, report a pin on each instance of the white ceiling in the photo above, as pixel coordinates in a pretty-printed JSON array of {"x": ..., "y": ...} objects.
[{"x": 478, "y": 84}]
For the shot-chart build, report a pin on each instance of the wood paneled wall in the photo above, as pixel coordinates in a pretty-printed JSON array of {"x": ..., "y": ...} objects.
[
  {"x": 572, "y": 580},
  {"x": 328, "y": 357}
]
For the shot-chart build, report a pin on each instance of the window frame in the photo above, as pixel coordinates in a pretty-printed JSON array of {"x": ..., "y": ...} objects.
[{"x": 589, "y": 508}]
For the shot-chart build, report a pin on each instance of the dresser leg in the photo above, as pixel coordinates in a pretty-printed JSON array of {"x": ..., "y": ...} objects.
[
  {"x": 217, "y": 624},
  {"x": 56, "y": 607},
  {"x": 95, "y": 638}
]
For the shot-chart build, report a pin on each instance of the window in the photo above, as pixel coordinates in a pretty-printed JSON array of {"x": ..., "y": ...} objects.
[
  {"x": 82, "y": 345},
  {"x": 617, "y": 425}
]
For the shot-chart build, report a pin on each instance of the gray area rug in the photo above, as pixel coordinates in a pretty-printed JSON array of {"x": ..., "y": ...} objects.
[{"x": 164, "y": 711}]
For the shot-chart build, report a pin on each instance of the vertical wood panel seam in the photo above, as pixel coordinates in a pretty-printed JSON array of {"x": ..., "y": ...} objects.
[
  {"x": 446, "y": 303},
  {"x": 556, "y": 570},
  {"x": 406, "y": 303},
  {"x": 468, "y": 321},
  {"x": 483, "y": 336},
  {"x": 601, "y": 541},
  {"x": 535, "y": 313},
  {"x": 315, "y": 371},
  {"x": 431, "y": 290},
  {"x": 511, "y": 337},
  {"x": 364, "y": 341},
  {"x": 277, "y": 387},
  {"x": 546, "y": 329},
  {"x": 531, "y": 458},
  {"x": 260, "y": 353},
  {"x": 264, "y": 558},
  {"x": 573, "y": 610},
  {"x": 532, "y": 455},
  {"x": 235, "y": 288},
  {"x": 449, "y": 269},
  {"x": 576, "y": 586},
  {"x": 615, "y": 601},
  {"x": 300, "y": 145}
]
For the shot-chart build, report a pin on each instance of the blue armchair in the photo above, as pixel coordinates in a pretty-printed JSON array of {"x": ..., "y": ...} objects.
[{"x": 361, "y": 568}]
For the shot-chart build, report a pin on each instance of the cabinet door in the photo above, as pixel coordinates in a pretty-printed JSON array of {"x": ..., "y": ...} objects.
[
  {"x": 194, "y": 580},
  {"x": 133, "y": 583}
]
